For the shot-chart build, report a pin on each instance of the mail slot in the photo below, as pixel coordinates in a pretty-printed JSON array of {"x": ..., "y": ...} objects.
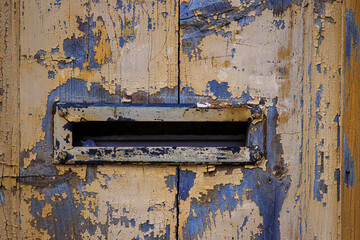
[{"x": 173, "y": 134}]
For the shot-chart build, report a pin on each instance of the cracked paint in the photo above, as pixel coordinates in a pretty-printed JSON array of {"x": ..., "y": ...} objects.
[{"x": 281, "y": 56}]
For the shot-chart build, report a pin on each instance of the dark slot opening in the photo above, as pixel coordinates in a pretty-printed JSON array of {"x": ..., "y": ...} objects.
[{"x": 159, "y": 134}]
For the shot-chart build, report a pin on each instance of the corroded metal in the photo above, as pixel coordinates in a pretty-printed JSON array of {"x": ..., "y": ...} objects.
[{"x": 69, "y": 154}]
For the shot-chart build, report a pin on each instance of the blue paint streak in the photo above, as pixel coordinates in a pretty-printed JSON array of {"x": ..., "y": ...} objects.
[
  {"x": 337, "y": 179},
  {"x": 244, "y": 223},
  {"x": 318, "y": 96},
  {"x": 349, "y": 168},
  {"x": 317, "y": 119},
  {"x": 317, "y": 177},
  {"x": 351, "y": 35},
  {"x": 233, "y": 51},
  {"x": 318, "y": 68},
  {"x": 338, "y": 129}
]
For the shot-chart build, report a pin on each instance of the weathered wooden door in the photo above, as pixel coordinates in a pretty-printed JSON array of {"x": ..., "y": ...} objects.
[{"x": 273, "y": 55}]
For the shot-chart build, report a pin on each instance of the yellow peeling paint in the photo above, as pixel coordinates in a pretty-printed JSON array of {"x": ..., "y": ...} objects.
[
  {"x": 134, "y": 58},
  {"x": 103, "y": 50}
]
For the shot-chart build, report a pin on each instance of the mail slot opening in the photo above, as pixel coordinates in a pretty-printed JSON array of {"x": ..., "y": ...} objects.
[{"x": 159, "y": 134}]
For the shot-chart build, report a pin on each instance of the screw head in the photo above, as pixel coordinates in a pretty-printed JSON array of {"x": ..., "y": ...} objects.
[
  {"x": 257, "y": 156},
  {"x": 62, "y": 112},
  {"x": 62, "y": 156}
]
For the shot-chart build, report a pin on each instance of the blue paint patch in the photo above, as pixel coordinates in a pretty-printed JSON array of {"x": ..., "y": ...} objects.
[
  {"x": 309, "y": 70},
  {"x": 318, "y": 68},
  {"x": 165, "y": 236},
  {"x": 39, "y": 56},
  {"x": 282, "y": 71},
  {"x": 146, "y": 226},
  {"x": 319, "y": 185},
  {"x": 171, "y": 182},
  {"x": 221, "y": 198},
  {"x": 196, "y": 26},
  {"x": 349, "y": 168},
  {"x": 246, "y": 20},
  {"x": 245, "y": 97},
  {"x": 54, "y": 50},
  {"x": 124, "y": 221},
  {"x": 150, "y": 209},
  {"x": 268, "y": 191},
  {"x": 65, "y": 212},
  {"x": 318, "y": 96},
  {"x": 351, "y": 35},
  {"x": 279, "y": 24},
  {"x": 220, "y": 90},
  {"x": 188, "y": 90},
  {"x": 82, "y": 49},
  {"x": 186, "y": 182},
  {"x": 51, "y": 75},
  {"x": 74, "y": 48}
]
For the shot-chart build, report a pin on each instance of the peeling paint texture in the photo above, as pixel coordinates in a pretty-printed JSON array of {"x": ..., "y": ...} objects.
[{"x": 293, "y": 64}]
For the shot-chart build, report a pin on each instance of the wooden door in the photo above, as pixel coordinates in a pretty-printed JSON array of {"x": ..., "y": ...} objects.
[{"x": 219, "y": 53}]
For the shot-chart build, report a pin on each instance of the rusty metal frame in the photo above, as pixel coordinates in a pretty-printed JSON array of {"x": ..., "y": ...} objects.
[{"x": 66, "y": 114}]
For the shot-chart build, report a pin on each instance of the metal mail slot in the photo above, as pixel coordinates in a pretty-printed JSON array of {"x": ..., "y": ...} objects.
[{"x": 133, "y": 133}]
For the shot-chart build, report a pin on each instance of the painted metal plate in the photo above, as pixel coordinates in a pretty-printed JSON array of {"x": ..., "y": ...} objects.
[{"x": 67, "y": 114}]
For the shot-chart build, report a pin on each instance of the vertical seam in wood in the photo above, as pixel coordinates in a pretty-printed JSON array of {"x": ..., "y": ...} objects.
[
  {"x": 178, "y": 55},
  {"x": 177, "y": 201}
]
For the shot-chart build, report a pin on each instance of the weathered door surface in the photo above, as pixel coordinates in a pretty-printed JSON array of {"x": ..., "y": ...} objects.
[{"x": 290, "y": 59}]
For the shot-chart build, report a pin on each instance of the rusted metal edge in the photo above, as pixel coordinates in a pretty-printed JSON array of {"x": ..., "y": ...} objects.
[{"x": 65, "y": 153}]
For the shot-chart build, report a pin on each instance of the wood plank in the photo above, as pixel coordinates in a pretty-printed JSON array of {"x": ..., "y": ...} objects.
[
  {"x": 237, "y": 53},
  {"x": 94, "y": 52},
  {"x": 350, "y": 125},
  {"x": 9, "y": 120}
]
